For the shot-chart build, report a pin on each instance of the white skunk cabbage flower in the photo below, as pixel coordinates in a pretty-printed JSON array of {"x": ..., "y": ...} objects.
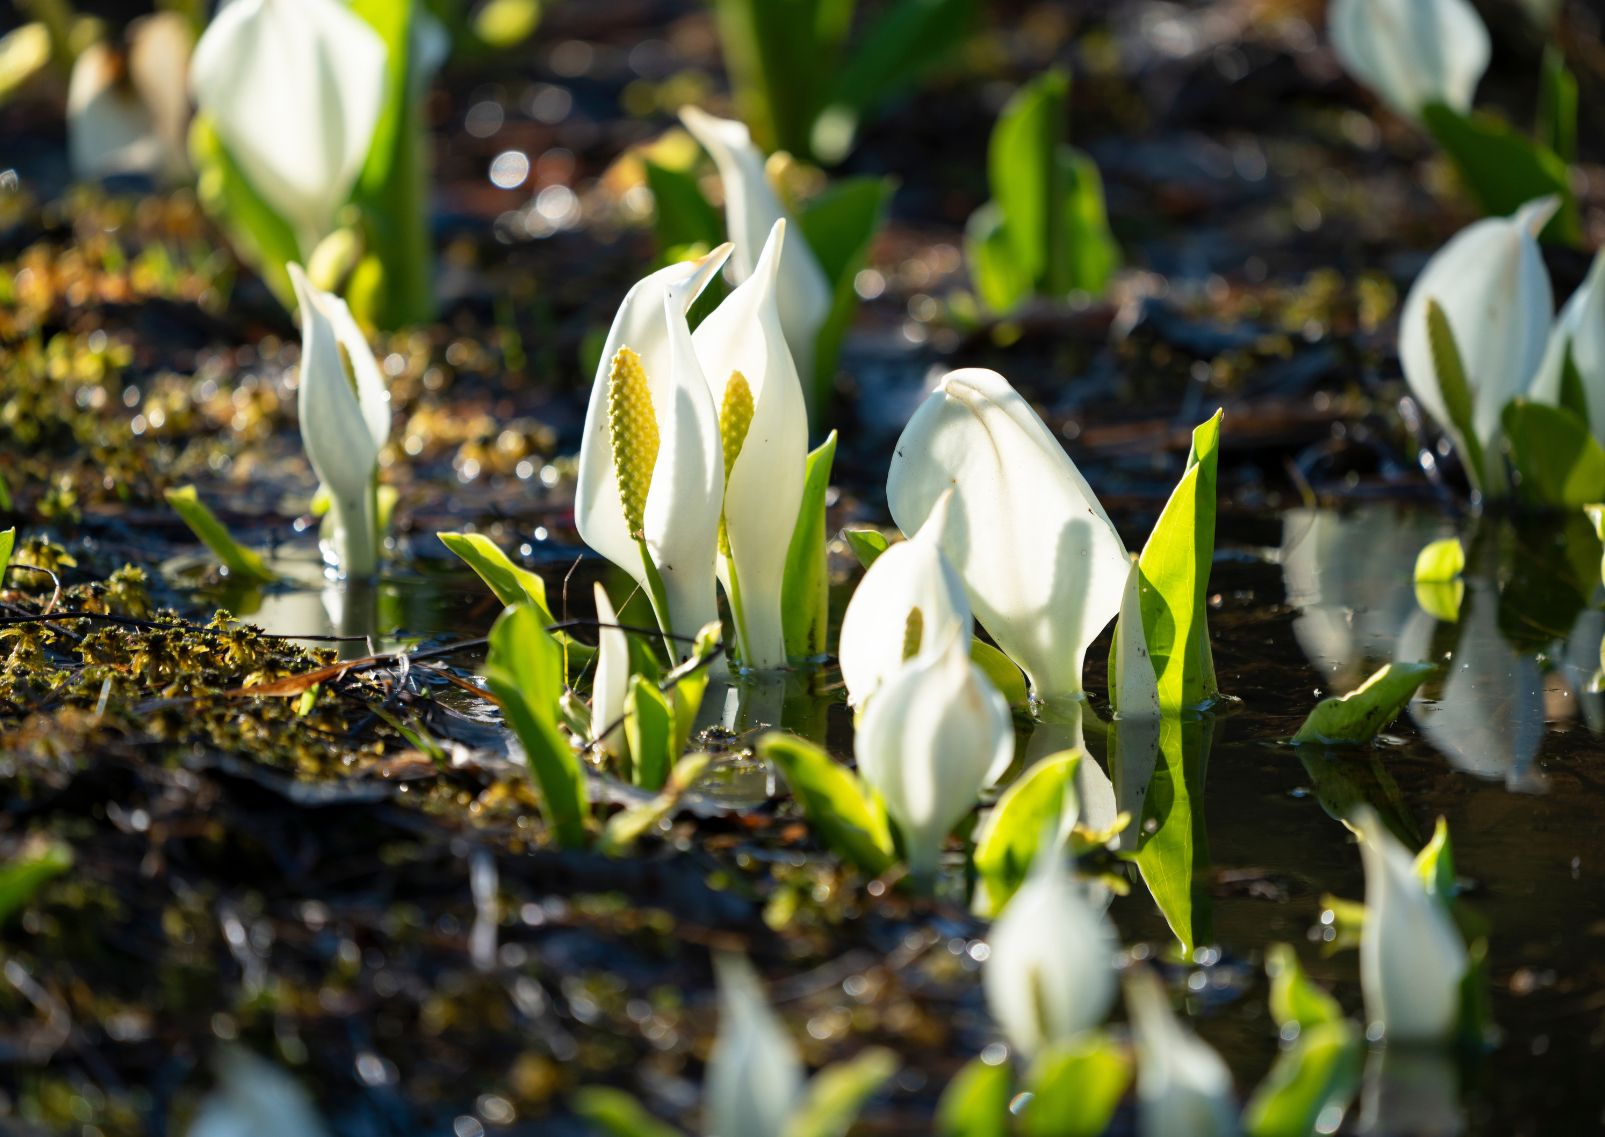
[
  {"x": 1411, "y": 53},
  {"x": 651, "y": 466},
  {"x": 1491, "y": 284},
  {"x": 345, "y": 420},
  {"x": 909, "y": 601},
  {"x": 751, "y": 211},
  {"x": 935, "y": 734},
  {"x": 255, "y": 1098},
  {"x": 127, "y": 112},
  {"x": 610, "y": 683},
  {"x": 294, "y": 89},
  {"x": 754, "y": 1077},
  {"x": 1183, "y": 1086},
  {"x": 1412, "y": 958},
  {"x": 1580, "y": 329},
  {"x": 1041, "y": 561},
  {"x": 1051, "y": 972},
  {"x": 763, "y": 427}
]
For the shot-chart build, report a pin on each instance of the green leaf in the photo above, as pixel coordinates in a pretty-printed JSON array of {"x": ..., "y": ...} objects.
[
  {"x": 1040, "y": 803},
  {"x": 23, "y": 876},
  {"x": 1573, "y": 395},
  {"x": 1557, "y": 106},
  {"x": 511, "y": 584},
  {"x": 261, "y": 238},
  {"x": 1439, "y": 589},
  {"x": 1458, "y": 399},
  {"x": 976, "y": 1102},
  {"x": 836, "y": 803},
  {"x": 1435, "y": 864},
  {"x": 626, "y": 827},
  {"x": 835, "y": 1095},
  {"x": 1092, "y": 252},
  {"x": 868, "y": 544},
  {"x": 778, "y": 65},
  {"x": 688, "y": 682},
  {"x": 1354, "y": 719},
  {"x": 649, "y": 730},
  {"x": 524, "y": 670},
  {"x": 910, "y": 38},
  {"x": 1004, "y": 673},
  {"x": 1318, "y": 1073},
  {"x": 681, "y": 216},
  {"x": 618, "y": 1114},
  {"x": 1001, "y": 281},
  {"x": 1024, "y": 173},
  {"x": 840, "y": 226},
  {"x": 1076, "y": 1087},
  {"x": 8, "y": 542},
  {"x": 1559, "y": 461},
  {"x": 1295, "y": 1001},
  {"x": 244, "y": 563},
  {"x": 1174, "y": 567},
  {"x": 1173, "y": 857},
  {"x": 1503, "y": 169},
  {"x": 505, "y": 24},
  {"x": 805, "y": 593}
]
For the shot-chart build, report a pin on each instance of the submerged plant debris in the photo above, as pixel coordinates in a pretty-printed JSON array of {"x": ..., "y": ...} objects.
[{"x": 288, "y": 816}]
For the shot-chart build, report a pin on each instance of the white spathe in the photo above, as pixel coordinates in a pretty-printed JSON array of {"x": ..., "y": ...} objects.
[
  {"x": 764, "y": 487},
  {"x": 1041, "y": 562},
  {"x": 751, "y": 210},
  {"x": 294, "y": 89},
  {"x": 1183, "y": 1086},
  {"x": 1412, "y": 958},
  {"x": 687, "y": 491},
  {"x": 911, "y": 576},
  {"x": 1050, "y": 974},
  {"x": 1491, "y": 283},
  {"x": 754, "y": 1076},
  {"x": 345, "y": 420},
  {"x": 255, "y": 1098},
  {"x": 128, "y": 113},
  {"x": 935, "y": 734},
  {"x": 1411, "y": 53},
  {"x": 610, "y": 684},
  {"x": 1580, "y": 329}
]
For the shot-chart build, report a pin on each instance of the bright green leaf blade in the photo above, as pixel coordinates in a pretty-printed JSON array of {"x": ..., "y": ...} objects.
[
  {"x": 244, "y": 563},
  {"x": 27, "y": 872},
  {"x": 618, "y": 1114},
  {"x": 834, "y": 801},
  {"x": 1354, "y": 719},
  {"x": 840, "y": 226},
  {"x": 1294, "y": 1000},
  {"x": 8, "y": 542},
  {"x": 1503, "y": 169},
  {"x": 1440, "y": 562},
  {"x": 511, "y": 584},
  {"x": 1023, "y": 172},
  {"x": 627, "y": 826},
  {"x": 1558, "y": 460},
  {"x": 1001, "y": 281},
  {"x": 976, "y": 1102},
  {"x": 1092, "y": 252},
  {"x": 1076, "y": 1087},
  {"x": 868, "y": 544},
  {"x": 1173, "y": 857},
  {"x": 778, "y": 68},
  {"x": 1435, "y": 864},
  {"x": 835, "y": 1096},
  {"x": 649, "y": 729},
  {"x": 262, "y": 238},
  {"x": 524, "y": 670},
  {"x": 1004, "y": 673},
  {"x": 1041, "y": 802},
  {"x": 1557, "y": 106},
  {"x": 805, "y": 593},
  {"x": 1315, "y": 1077},
  {"x": 1458, "y": 399}
]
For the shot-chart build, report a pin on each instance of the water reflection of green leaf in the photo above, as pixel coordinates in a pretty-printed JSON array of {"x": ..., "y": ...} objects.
[{"x": 1174, "y": 852}]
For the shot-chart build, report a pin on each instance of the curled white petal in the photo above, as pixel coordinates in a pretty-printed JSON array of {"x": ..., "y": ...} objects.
[
  {"x": 754, "y": 1076},
  {"x": 929, "y": 740},
  {"x": 610, "y": 685},
  {"x": 294, "y": 88},
  {"x": 1050, "y": 974},
  {"x": 1041, "y": 562},
  {"x": 1579, "y": 329},
  {"x": 751, "y": 210},
  {"x": 1412, "y": 958},
  {"x": 1412, "y": 52},
  {"x": 1183, "y": 1086},
  {"x": 910, "y": 576},
  {"x": 763, "y": 493}
]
